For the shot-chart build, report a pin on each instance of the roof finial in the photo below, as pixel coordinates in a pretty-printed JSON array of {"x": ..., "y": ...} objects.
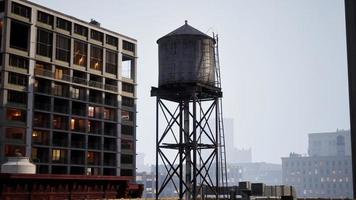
[{"x": 186, "y": 22}]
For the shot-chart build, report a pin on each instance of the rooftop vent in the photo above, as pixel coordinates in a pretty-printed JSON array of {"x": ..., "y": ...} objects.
[{"x": 94, "y": 22}]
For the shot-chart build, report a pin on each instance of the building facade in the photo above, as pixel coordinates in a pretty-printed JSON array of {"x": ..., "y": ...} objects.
[
  {"x": 327, "y": 170},
  {"x": 68, "y": 92}
]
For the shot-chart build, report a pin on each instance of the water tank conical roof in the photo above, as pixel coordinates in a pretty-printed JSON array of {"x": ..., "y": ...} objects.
[
  {"x": 186, "y": 57},
  {"x": 186, "y": 29}
]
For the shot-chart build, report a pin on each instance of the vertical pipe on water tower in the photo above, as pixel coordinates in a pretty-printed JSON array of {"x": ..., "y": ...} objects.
[{"x": 188, "y": 173}]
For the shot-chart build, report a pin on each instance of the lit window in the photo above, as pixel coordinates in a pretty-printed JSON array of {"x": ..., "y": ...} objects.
[
  {"x": 96, "y": 58},
  {"x": 56, "y": 154},
  {"x": 72, "y": 124},
  {"x": 91, "y": 111},
  {"x": 75, "y": 94},
  {"x": 16, "y": 114},
  {"x": 80, "y": 53}
]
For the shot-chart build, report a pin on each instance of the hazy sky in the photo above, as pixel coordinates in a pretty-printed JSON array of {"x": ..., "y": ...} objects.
[{"x": 283, "y": 63}]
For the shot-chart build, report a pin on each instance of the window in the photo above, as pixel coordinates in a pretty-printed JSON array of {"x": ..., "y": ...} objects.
[
  {"x": 16, "y": 97},
  {"x": 126, "y": 172},
  {"x": 80, "y": 53},
  {"x": 91, "y": 111},
  {"x": 127, "y": 67},
  {"x": 44, "y": 43},
  {"x": 127, "y": 144},
  {"x": 127, "y": 87},
  {"x": 126, "y": 101},
  {"x": 96, "y": 58},
  {"x": 21, "y": 10},
  {"x": 17, "y": 79},
  {"x": 45, "y": 18},
  {"x": 62, "y": 48},
  {"x": 41, "y": 120},
  {"x": 15, "y": 150},
  {"x": 80, "y": 30},
  {"x": 61, "y": 73},
  {"x": 61, "y": 90},
  {"x": 77, "y": 125},
  {"x": 60, "y": 122},
  {"x": 127, "y": 130},
  {"x": 78, "y": 93},
  {"x": 2, "y": 6},
  {"x": 96, "y": 35},
  {"x": 111, "y": 62},
  {"x": 126, "y": 159},
  {"x": 19, "y": 36},
  {"x": 75, "y": 93},
  {"x": 16, "y": 134},
  {"x": 18, "y": 61},
  {"x": 40, "y": 137},
  {"x": 128, "y": 46},
  {"x": 63, "y": 24},
  {"x": 58, "y": 155},
  {"x": 109, "y": 114},
  {"x": 15, "y": 114},
  {"x": 111, "y": 40},
  {"x": 126, "y": 115}
]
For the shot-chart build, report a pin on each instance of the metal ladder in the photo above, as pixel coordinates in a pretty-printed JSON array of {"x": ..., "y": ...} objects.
[{"x": 222, "y": 149}]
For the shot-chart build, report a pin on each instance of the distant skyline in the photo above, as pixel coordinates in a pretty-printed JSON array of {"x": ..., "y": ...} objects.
[{"x": 283, "y": 64}]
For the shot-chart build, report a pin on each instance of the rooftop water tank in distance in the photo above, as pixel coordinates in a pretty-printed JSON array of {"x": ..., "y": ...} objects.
[
  {"x": 18, "y": 165},
  {"x": 186, "y": 55}
]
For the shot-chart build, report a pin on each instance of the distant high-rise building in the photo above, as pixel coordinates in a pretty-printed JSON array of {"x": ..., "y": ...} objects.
[
  {"x": 330, "y": 143},
  {"x": 68, "y": 92},
  {"x": 326, "y": 172},
  {"x": 233, "y": 153}
]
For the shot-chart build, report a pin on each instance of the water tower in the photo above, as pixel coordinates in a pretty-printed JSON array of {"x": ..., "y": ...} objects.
[{"x": 187, "y": 99}]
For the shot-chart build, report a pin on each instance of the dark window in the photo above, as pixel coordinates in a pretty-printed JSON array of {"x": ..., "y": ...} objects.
[
  {"x": 45, "y": 18},
  {"x": 63, "y": 24},
  {"x": 126, "y": 172},
  {"x": 128, "y": 46},
  {"x": 19, "y": 36},
  {"x": 21, "y": 10},
  {"x": 127, "y": 87},
  {"x": 16, "y": 134},
  {"x": 96, "y": 58},
  {"x": 2, "y": 6},
  {"x": 126, "y": 159},
  {"x": 44, "y": 43},
  {"x": 80, "y": 30},
  {"x": 18, "y": 61},
  {"x": 63, "y": 48},
  {"x": 127, "y": 144},
  {"x": 17, "y": 79},
  {"x": 127, "y": 130},
  {"x": 111, "y": 40},
  {"x": 96, "y": 35},
  {"x": 126, "y": 101},
  {"x": 111, "y": 62},
  {"x": 80, "y": 53},
  {"x": 16, "y": 97}
]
